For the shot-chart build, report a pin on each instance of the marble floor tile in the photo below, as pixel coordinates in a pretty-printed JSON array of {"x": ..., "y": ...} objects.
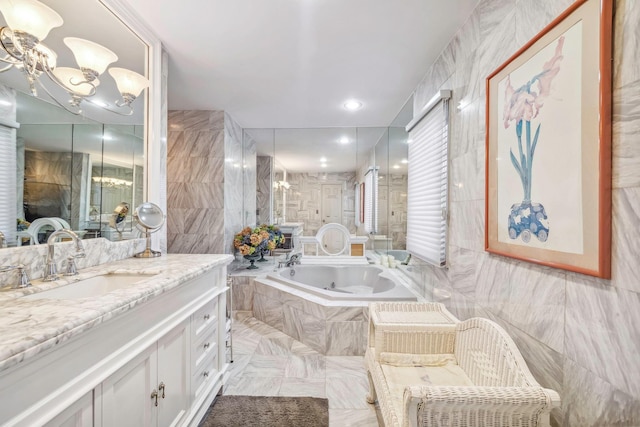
[
  {"x": 307, "y": 366},
  {"x": 339, "y": 366},
  {"x": 311, "y": 387},
  {"x": 274, "y": 346},
  {"x": 265, "y": 366},
  {"x": 302, "y": 349},
  {"x": 353, "y": 417},
  {"x": 253, "y": 386},
  {"x": 270, "y": 363},
  {"x": 347, "y": 392}
]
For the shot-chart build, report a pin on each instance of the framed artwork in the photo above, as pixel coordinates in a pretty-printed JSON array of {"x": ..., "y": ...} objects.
[{"x": 548, "y": 145}]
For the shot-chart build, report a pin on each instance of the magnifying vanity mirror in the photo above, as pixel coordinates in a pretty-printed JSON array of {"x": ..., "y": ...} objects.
[
  {"x": 77, "y": 168},
  {"x": 149, "y": 218}
]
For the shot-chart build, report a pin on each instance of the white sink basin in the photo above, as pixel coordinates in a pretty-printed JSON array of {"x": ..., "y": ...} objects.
[{"x": 93, "y": 286}]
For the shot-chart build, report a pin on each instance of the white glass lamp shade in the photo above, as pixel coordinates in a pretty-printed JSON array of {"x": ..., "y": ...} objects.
[
  {"x": 128, "y": 81},
  {"x": 90, "y": 55},
  {"x": 30, "y": 16},
  {"x": 69, "y": 76}
]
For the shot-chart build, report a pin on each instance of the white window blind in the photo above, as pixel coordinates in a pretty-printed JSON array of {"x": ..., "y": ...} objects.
[
  {"x": 8, "y": 183},
  {"x": 370, "y": 197},
  {"x": 427, "y": 182}
]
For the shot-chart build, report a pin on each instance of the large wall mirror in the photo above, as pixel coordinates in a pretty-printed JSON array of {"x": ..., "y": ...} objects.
[
  {"x": 311, "y": 177},
  {"x": 77, "y": 169}
]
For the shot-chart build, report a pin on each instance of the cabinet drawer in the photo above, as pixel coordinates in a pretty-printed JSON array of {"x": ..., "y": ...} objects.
[
  {"x": 205, "y": 317},
  {"x": 203, "y": 351},
  {"x": 206, "y": 374}
]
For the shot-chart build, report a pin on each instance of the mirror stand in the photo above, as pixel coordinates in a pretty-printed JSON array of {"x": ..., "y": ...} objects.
[
  {"x": 150, "y": 216},
  {"x": 148, "y": 252}
]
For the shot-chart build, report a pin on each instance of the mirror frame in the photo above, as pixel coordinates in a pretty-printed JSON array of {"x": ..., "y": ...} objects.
[{"x": 155, "y": 122}]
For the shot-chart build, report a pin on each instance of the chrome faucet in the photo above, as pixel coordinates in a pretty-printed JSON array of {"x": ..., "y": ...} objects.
[
  {"x": 50, "y": 271},
  {"x": 23, "y": 281},
  {"x": 293, "y": 259}
]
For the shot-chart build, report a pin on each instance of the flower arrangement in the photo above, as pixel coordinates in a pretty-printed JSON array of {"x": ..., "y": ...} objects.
[
  {"x": 522, "y": 105},
  {"x": 251, "y": 241}
]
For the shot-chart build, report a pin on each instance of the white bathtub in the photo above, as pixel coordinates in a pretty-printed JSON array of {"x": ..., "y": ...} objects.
[{"x": 344, "y": 283}]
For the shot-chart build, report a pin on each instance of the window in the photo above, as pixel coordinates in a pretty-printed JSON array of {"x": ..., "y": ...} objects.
[
  {"x": 370, "y": 197},
  {"x": 427, "y": 181}
]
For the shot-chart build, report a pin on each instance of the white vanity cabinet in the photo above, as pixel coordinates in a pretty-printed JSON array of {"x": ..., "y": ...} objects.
[
  {"x": 79, "y": 414},
  {"x": 160, "y": 363},
  {"x": 152, "y": 389}
]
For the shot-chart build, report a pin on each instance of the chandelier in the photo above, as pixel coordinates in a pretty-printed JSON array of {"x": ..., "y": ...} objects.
[{"x": 29, "y": 22}]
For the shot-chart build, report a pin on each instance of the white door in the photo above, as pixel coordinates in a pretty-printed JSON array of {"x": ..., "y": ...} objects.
[
  {"x": 127, "y": 394},
  {"x": 173, "y": 376},
  {"x": 333, "y": 241}
]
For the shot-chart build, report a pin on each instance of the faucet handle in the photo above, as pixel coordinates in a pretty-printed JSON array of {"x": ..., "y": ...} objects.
[
  {"x": 24, "y": 281},
  {"x": 23, "y": 277},
  {"x": 71, "y": 269}
]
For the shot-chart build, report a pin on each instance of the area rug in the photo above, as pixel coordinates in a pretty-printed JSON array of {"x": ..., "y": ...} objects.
[{"x": 271, "y": 411}]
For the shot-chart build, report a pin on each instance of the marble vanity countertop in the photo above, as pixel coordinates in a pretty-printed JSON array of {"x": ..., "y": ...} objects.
[{"x": 29, "y": 327}]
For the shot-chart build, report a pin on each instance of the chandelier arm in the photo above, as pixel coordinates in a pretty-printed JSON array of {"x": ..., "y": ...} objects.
[
  {"x": 6, "y": 68},
  {"x": 60, "y": 104},
  {"x": 64, "y": 86},
  {"x": 128, "y": 113},
  {"x": 9, "y": 46}
]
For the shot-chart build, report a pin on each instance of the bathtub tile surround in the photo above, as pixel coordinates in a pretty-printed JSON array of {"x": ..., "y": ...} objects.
[
  {"x": 97, "y": 251},
  {"x": 301, "y": 371},
  {"x": 204, "y": 206},
  {"x": 328, "y": 330},
  {"x": 578, "y": 335}
]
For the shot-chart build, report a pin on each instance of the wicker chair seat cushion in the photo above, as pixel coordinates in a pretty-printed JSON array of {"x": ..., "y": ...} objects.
[{"x": 444, "y": 372}]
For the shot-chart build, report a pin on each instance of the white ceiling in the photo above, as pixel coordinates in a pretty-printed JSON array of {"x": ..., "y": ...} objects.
[{"x": 293, "y": 63}]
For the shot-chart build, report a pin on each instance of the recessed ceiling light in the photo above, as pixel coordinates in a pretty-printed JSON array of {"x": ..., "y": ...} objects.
[
  {"x": 323, "y": 159},
  {"x": 323, "y": 165},
  {"x": 343, "y": 140},
  {"x": 353, "y": 105},
  {"x": 404, "y": 161},
  {"x": 396, "y": 167}
]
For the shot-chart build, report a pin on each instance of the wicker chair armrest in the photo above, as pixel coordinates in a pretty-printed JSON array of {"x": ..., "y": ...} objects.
[{"x": 462, "y": 405}]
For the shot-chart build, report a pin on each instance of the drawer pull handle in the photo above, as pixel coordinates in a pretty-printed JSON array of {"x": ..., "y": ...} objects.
[
  {"x": 161, "y": 388},
  {"x": 206, "y": 345},
  {"x": 205, "y": 374},
  {"x": 207, "y": 316},
  {"x": 154, "y": 395}
]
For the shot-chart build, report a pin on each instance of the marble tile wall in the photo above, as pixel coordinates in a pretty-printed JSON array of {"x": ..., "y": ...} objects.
[
  {"x": 47, "y": 190},
  {"x": 304, "y": 199},
  {"x": 579, "y": 335},
  {"x": 197, "y": 175},
  {"x": 264, "y": 166},
  {"x": 98, "y": 251},
  {"x": 237, "y": 195}
]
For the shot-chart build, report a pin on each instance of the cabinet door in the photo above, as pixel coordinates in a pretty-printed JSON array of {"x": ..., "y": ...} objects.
[
  {"x": 79, "y": 414},
  {"x": 173, "y": 376},
  {"x": 126, "y": 395}
]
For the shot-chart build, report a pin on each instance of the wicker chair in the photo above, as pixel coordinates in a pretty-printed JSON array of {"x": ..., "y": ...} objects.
[{"x": 477, "y": 377}]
